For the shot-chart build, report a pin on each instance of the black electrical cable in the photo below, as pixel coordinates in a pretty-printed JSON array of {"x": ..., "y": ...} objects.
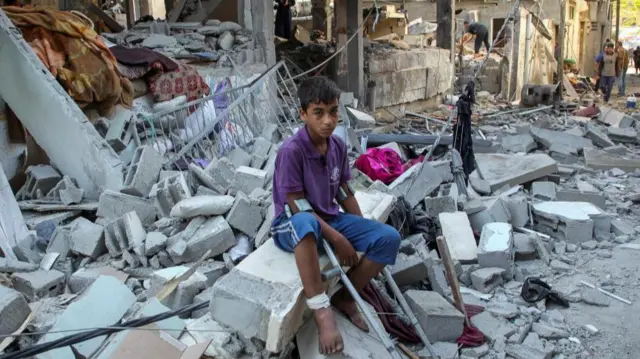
[{"x": 81, "y": 337}]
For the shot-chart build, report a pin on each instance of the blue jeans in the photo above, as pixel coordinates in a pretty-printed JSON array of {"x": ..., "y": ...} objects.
[
  {"x": 622, "y": 83},
  {"x": 379, "y": 242},
  {"x": 606, "y": 84}
]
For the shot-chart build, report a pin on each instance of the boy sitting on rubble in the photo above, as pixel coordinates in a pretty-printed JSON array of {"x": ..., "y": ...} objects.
[{"x": 311, "y": 175}]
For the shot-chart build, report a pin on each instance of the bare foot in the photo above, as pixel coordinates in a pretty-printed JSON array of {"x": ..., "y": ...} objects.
[
  {"x": 328, "y": 334},
  {"x": 347, "y": 305}
]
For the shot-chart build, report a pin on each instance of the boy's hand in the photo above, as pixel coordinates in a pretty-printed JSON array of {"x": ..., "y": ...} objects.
[{"x": 344, "y": 250}]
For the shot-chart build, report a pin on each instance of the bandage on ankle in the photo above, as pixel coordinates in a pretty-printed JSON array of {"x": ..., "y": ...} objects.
[{"x": 320, "y": 301}]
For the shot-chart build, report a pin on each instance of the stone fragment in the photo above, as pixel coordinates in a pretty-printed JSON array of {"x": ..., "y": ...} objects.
[
  {"x": 83, "y": 278},
  {"x": 87, "y": 238},
  {"x": 491, "y": 327},
  {"x": 550, "y": 138},
  {"x": 14, "y": 309},
  {"x": 600, "y": 139},
  {"x": 143, "y": 171},
  {"x": 495, "y": 248},
  {"x": 245, "y": 215},
  {"x": 545, "y": 191},
  {"x": 486, "y": 279},
  {"x": 185, "y": 292},
  {"x": 518, "y": 143},
  {"x": 436, "y": 205},
  {"x": 223, "y": 343},
  {"x": 265, "y": 229},
  {"x": 66, "y": 191},
  {"x": 503, "y": 309},
  {"x": 518, "y": 207},
  {"x": 515, "y": 169},
  {"x": 519, "y": 351},
  {"x": 168, "y": 192},
  {"x": 475, "y": 352},
  {"x": 154, "y": 243},
  {"x": 247, "y": 179},
  {"x": 567, "y": 195},
  {"x": 437, "y": 317},
  {"x": 523, "y": 247},
  {"x": 15, "y": 266},
  {"x": 112, "y": 205},
  {"x": 215, "y": 235},
  {"x": 479, "y": 185},
  {"x": 549, "y": 332},
  {"x": 496, "y": 211},
  {"x": 408, "y": 270},
  {"x": 573, "y": 222},
  {"x": 595, "y": 297},
  {"x": 457, "y": 231},
  {"x": 239, "y": 157},
  {"x": 225, "y": 41},
  {"x": 154, "y": 41},
  {"x": 601, "y": 160},
  {"x": 125, "y": 234},
  {"x": 39, "y": 284},
  {"x": 559, "y": 266},
  {"x": 622, "y": 228},
  {"x": 416, "y": 183},
  {"x": 625, "y": 135},
  {"x": 589, "y": 245}
]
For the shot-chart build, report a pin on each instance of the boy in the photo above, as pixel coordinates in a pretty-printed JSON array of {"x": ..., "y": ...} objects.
[
  {"x": 608, "y": 69},
  {"x": 311, "y": 175}
]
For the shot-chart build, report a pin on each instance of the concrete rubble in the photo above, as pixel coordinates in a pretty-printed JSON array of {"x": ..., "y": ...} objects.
[{"x": 139, "y": 231}]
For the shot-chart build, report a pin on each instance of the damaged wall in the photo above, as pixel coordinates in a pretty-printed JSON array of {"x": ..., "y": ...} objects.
[
  {"x": 52, "y": 117},
  {"x": 408, "y": 76}
]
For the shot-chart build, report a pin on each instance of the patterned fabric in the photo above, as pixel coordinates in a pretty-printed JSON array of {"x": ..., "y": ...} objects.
[{"x": 183, "y": 81}]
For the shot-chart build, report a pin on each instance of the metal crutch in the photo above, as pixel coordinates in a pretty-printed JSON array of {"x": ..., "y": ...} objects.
[{"x": 337, "y": 270}]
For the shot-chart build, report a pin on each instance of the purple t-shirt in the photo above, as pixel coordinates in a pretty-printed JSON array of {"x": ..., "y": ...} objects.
[{"x": 300, "y": 167}]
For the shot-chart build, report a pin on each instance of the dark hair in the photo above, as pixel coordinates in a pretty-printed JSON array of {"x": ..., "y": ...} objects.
[
  {"x": 610, "y": 44},
  {"x": 465, "y": 22},
  {"x": 317, "y": 89}
]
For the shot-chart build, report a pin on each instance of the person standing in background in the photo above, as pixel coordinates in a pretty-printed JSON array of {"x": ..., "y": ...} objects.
[
  {"x": 636, "y": 59},
  {"x": 623, "y": 60},
  {"x": 284, "y": 19},
  {"x": 482, "y": 35},
  {"x": 609, "y": 68}
]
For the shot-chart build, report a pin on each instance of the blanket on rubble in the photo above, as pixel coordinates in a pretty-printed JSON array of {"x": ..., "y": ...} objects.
[{"x": 75, "y": 55}]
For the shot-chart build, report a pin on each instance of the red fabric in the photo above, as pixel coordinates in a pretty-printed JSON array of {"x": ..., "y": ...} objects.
[
  {"x": 392, "y": 324},
  {"x": 471, "y": 336},
  {"x": 183, "y": 81}
]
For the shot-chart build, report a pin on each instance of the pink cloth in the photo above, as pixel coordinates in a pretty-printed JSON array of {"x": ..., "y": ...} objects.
[{"x": 382, "y": 164}]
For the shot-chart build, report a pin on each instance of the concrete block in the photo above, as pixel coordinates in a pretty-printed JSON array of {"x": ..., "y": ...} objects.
[
  {"x": 201, "y": 177},
  {"x": 442, "y": 350},
  {"x": 521, "y": 351},
  {"x": 486, "y": 279},
  {"x": 436, "y": 205},
  {"x": 87, "y": 238},
  {"x": 502, "y": 169},
  {"x": 113, "y": 204},
  {"x": 125, "y": 234},
  {"x": 214, "y": 234},
  {"x": 222, "y": 172},
  {"x": 443, "y": 167},
  {"x": 154, "y": 243},
  {"x": 496, "y": 211},
  {"x": 625, "y": 135},
  {"x": 247, "y": 179},
  {"x": 85, "y": 156},
  {"x": 113, "y": 299},
  {"x": 60, "y": 242},
  {"x": 601, "y": 160},
  {"x": 375, "y": 205},
  {"x": 518, "y": 207},
  {"x": 408, "y": 270},
  {"x": 118, "y": 135},
  {"x": 245, "y": 215},
  {"x": 416, "y": 183},
  {"x": 202, "y": 206},
  {"x": 549, "y": 138},
  {"x": 83, "y": 278},
  {"x": 66, "y": 192},
  {"x": 223, "y": 343},
  {"x": 544, "y": 190},
  {"x": 143, "y": 171},
  {"x": 168, "y": 192},
  {"x": 239, "y": 157},
  {"x": 204, "y": 296},
  {"x": 457, "y": 231},
  {"x": 599, "y": 139},
  {"x": 41, "y": 179},
  {"x": 524, "y": 247},
  {"x": 186, "y": 291},
  {"x": 518, "y": 143},
  {"x": 265, "y": 228},
  {"x": 622, "y": 228},
  {"x": 14, "y": 309},
  {"x": 569, "y": 195},
  {"x": 438, "y": 318},
  {"x": 573, "y": 222},
  {"x": 39, "y": 284},
  {"x": 495, "y": 248},
  {"x": 357, "y": 344},
  {"x": 213, "y": 270},
  {"x": 493, "y": 328},
  {"x": 262, "y": 146}
]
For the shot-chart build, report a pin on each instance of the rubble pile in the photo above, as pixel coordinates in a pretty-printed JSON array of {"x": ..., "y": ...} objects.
[{"x": 216, "y": 41}]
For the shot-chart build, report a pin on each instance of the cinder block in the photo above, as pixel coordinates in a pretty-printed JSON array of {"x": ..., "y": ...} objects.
[
  {"x": 143, "y": 171},
  {"x": 113, "y": 204},
  {"x": 104, "y": 303},
  {"x": 222, "y": 172},
  {"x": 262, "y": 146},
  {"x": 239, "y": 157},
  {"x": 83, "y": 278},
  {"x": 87, "y": 238},
  {"x": 486, "y": 279},
  {"x": 496, "y": 211},
  {"x": 14, "y": 309},
  {"x": 39, "y": 284},
  {"x": 436, "y": 205},
  {"x": 154, "y": 243},
  {"x": 416, "y": 183},
  {"x": 437, "y": 317},
  {"x": 518, "y": 207},
  {"x": 60, "y": 242},
  {"x": 544, "y": 190},
  {"x": 169, "y": 191},
  {"x": 573, "y": 222},
  {"x": 213, "y": 270},
  {"x": 246, "y": 179},
  {"x": 119, "y": 135},
  {"x": 245, "y": 215},
  {"x": 125, "y": 234},
  {"x": 214, "y": 235},
  {"x": 495, "y": 248},
  {"x": 40, "y": 180},
  {"x": 186, "y": 291},
  {"x": 66, "y": 191},
  {"x": 408, "y": 270},
  {"x": 493, "y": 328}
]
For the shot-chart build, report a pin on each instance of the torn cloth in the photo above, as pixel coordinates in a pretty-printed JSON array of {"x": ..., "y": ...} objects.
[{"x": 75, "y": 55}]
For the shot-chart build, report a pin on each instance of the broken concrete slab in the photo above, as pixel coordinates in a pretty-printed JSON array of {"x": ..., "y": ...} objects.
[
  {"x": 600, "y": 160},
  {"x": 86, "y": 156},
  {"x": 501, "y": 169},
  {"x": 573, "y": 222},
  {"x": 518, "y": 206},
  {"x": 496, "y": 210},
  {"x": 375, "y": 205},
  {"x": 569, "y": 195},
  {"x": 113, "y": 204},
  {"x": 222, "y": 172},
  {"x": 495, "y": 248},
  {"x": 185, "y": 292},
  {"x": 518, "y": 143},
  {"x": 437, "y": 317},
  {"x": 544, "y": 190},
  {"x": 12, "y": 223},
  {"x": 622, "y": 228},
  {"x": 524, "y": 247},
  {"x": 214, "y": 234},
  {"x": 87, "y": 238},
  {"x": 436, "y": 205},
  {"x": 83, "y": 278},
  {"x": 15, "y": 266},
  {"x": 265, "y": 228},
  {"x": 550, "y": 138},
  {"x": 598, "y": 138},
  {"x": 239, "y": 157},
  {"x": 107, "y": 293},
  {"x": 456, "y": 229},
  {"x": 39, "y": 284},
  {"x": 491, "y": 327},
  {"x": 223, "y": 343},
  {"x": 615, "y": 118},
  {"x": 14, "y": 309},
  {"x": 624, "y": 135},
  {"x": 416, "y": 183}
]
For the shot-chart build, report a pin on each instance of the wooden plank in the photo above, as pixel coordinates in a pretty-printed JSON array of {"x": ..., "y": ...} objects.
[{"x": 451, "y": 276}]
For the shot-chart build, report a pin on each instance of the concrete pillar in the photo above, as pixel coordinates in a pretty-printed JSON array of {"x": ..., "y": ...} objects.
[
  {"x": 321, "y": 15},
  {"x": 443, "y": 32},
  {"x": 257, "y": 16},
  {"x": 350, "y": 64}
]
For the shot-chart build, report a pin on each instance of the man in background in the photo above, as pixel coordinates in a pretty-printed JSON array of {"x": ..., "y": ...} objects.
[
  {"x": 284, "y": 19},
  {"x": 482, "y": 35},
  {"x": 609, "y": 68},
  {"x": 623, "y": 60}
]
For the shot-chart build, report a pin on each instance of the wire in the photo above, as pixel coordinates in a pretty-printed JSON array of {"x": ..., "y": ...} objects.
[{"x": 81, "y": 337}]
